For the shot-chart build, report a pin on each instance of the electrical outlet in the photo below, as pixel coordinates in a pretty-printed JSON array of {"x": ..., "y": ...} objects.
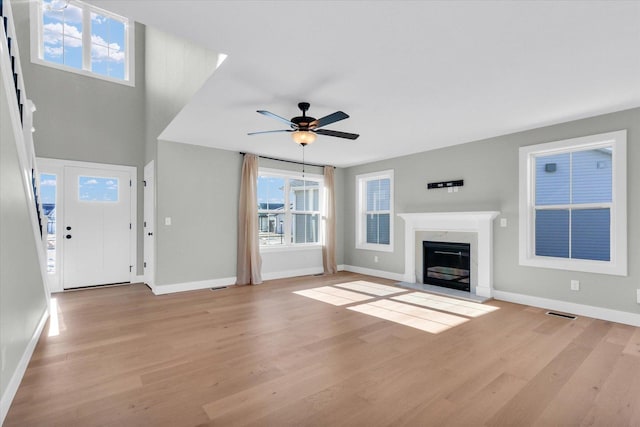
[
  {"x": 375, "y": 258},
  {"x": 167, "y": 220},
  {"x": 575, "y": 285},
  {"x": 503, "y": 222}
]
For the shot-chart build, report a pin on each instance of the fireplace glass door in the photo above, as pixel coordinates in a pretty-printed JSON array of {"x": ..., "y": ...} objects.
[{"x": 447, "y": 264}]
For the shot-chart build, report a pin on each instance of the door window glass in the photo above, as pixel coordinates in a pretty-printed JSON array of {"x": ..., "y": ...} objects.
[{"x": 97, "y": 189}]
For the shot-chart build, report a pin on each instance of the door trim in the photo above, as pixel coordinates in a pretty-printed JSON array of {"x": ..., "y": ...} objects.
[
  {"x": 57, "y": 166},
  {"x": 149, "y": 216}
]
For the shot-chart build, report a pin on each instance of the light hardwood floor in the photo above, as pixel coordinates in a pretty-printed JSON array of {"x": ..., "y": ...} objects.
[{"x": 265, "y": 356}]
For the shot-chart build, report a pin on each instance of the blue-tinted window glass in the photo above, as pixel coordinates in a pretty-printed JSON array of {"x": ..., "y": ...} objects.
[
  {"x": 304, "y": 195},
  {"x": 270, "y": 193},
  {"x": 379, "y": 195},
  {"x": 378, "y": 228},
  {"x": 305, "y": 228},
  {"x": 373, "y": 195},
  {"x": 107, "y": 46},
  {"x": 552, "y": 233},
  {"x": 592, "y": 176},
  {"x": 553, "y": 179},
  {"x": 97, "y": 189},
  {"x": 590, "y": 234},
  {"x": 48, "y": 187},
  {"x": 72, "y": 56}
]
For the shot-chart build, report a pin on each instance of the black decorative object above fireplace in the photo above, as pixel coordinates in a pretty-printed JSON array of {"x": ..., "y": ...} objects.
[{"x": 447, "y": 264}]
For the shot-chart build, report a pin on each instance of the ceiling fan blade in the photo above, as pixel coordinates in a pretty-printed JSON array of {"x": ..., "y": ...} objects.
[
  {"x": 270, "y": 131},
  {"x": 336, "y": 133},
  {"x": 277, "y": 117},
  {"x": 327, "y": 120}
]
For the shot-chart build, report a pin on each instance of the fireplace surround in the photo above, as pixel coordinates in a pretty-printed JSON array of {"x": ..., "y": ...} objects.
[{"x": 478, "y": 222}]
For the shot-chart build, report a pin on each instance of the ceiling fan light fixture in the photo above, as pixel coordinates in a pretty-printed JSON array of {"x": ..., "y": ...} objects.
[{"x": 303, "y": 137}]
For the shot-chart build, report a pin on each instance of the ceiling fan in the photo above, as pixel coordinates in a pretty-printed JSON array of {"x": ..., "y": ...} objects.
[{"x": 304, "y": 129}]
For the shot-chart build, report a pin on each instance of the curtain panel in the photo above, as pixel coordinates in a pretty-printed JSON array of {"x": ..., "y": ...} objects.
[
  {"x": 329, "y": 246},
  {"x": 249, "y": 260}
]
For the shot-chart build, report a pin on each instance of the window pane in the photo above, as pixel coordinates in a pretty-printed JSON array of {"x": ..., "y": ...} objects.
[
  {"x": 72, "y": 52},
  {"x": 271, "y": 229},
  {"x": 590, "y": 234},
  {"x": 552, "y": 179},
  {"x": 270, "y": 193},
  {"x": 304, "y": 228},
  {"x": 385, "y": 194},
  {"x": 591, "y": 174},
  {"x": 552, "y": 233},
  {"x": 107, "y": 46},
  {"x": 48, "y": 186},
  {"x": 52, "y": 48},
  {"x": 304, "y": 195},
  {"x": 378, "y": 228},
  {"x": 116, "y": 64},
  {"x": 378, "y": 195},
  {"x": 373, "y": 189},
  {"x": 97, "y": 189}
]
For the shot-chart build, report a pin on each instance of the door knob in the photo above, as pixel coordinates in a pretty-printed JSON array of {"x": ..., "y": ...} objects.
[
  {"x": 68, "y": 236},
  {"x": 68, "y": 228},
  {"x": 149, "y": 234}
]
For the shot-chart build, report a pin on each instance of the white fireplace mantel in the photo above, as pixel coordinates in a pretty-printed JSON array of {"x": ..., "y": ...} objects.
[{"x": 473, "y": 222}]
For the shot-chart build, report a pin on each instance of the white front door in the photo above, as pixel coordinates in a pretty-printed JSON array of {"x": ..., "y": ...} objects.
[{"x": 96, "y": 228}]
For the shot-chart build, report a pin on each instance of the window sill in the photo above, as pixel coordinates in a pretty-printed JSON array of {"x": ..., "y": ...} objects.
[
  {"x": 587, "y": 266},
  {"x": 272, "y": 249},
  {"x": 374, "y": 247}
]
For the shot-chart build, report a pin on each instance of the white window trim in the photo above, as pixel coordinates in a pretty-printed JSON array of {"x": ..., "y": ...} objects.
[
  {"x": 618, "y": 263},
  {"x": 288, "y": 212},
  {"x": 361, "y": 209},
  {"x": 37, "y": 56}
]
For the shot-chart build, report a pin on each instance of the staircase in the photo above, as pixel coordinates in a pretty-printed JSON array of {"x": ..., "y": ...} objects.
[{"x": 21, "y": 110}]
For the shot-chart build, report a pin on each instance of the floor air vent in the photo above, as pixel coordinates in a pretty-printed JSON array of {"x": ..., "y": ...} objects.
[
  {"x": 218, "y": 289},
  {"x": 564, "y": 316}
]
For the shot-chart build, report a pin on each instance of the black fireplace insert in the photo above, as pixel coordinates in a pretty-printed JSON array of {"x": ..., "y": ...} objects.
[{"x": 447, "y": 264}]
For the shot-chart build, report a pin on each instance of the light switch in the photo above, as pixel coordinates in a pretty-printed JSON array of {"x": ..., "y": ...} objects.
[{"x": 167, "y": 220}]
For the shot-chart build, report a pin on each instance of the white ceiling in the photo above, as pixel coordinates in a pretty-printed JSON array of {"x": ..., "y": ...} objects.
[{"x": 413, "y": 76}]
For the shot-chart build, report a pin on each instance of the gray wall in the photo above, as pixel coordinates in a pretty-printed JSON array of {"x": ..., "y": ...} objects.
[
  {"x": 490, "y": 172},
  {"x": 84, "y": 118},
  {"x": 198, "y": 188},
  {"x": 22, "y": 293},
  {"x": 175, "y": 70}
]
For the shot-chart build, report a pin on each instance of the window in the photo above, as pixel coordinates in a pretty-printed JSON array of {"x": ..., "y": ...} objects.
[
  {"x": 48, "y": 190},
  {"x": 82, "y": 38},
  {"x": 289, "y": 210},
  {"x": 97, "y": 189},
  {"x": 374, "y": 213},
  {"x": 573, "y": 204}
]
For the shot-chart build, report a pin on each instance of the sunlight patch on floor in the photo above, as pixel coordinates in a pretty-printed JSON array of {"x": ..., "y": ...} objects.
[
  {"x": 333, "y": 296},
  {"x": 54, "y": 325},
  {"x": 451, "y": 305},
  {"x": 409, "y": 315},
  {"x": 370, "y": 288}
]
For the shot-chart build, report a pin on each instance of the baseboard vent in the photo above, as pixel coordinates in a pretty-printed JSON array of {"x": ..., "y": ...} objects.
[
  {"x": 564, "y": 316},
  {"x": 218, "y": 289}
]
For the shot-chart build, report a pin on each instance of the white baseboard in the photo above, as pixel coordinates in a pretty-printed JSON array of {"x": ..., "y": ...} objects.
[
  {"x": 625, "y": 317},
  {"x": 192, "y": 286},
  {"x": 18, "y": 374},
  {"x": 377, "y": 273},
  {"x": 292, "y": 273}
]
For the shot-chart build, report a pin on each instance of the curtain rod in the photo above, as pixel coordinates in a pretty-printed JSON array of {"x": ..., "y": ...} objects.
[{"x": 289, "y": 161}]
